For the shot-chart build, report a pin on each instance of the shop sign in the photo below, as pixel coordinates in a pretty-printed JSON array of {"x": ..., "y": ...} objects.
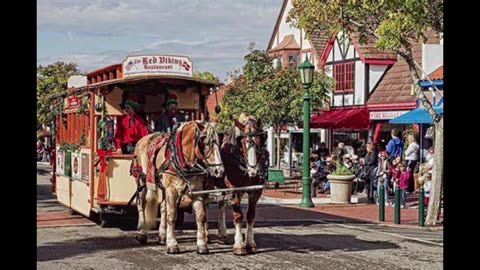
[
  {"x": 385, "y": 115},
  {"x": 72, "y": 102},
  {"x": 157, "y": 65}
]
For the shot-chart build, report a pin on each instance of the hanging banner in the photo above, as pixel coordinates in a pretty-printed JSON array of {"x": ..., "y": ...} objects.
[
  {"x": 76, "y": 165},
  {"x": 157, "y": 65},
  {"x": 85, "y": 166},
  {"x": 60, "y": 163}
]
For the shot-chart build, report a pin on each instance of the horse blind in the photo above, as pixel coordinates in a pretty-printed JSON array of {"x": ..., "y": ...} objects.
[{"x": 276, "y": 176}]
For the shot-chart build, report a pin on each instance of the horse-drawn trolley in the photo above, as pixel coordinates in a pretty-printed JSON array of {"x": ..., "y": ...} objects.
[{"x": 93, "y": 166}]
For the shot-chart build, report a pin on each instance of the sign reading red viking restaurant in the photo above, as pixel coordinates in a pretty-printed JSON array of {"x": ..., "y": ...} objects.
[{"x": 157, "y": 65}]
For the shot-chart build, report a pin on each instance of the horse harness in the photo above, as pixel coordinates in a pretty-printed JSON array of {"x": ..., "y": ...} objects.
[{"x": 175, "y": 163}]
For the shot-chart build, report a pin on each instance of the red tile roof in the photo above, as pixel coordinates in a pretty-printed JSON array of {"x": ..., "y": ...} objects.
[
  {"x": 319, "y": 40},
  {"x": 396, "y": 84},
  {"x": 437, "y": 74},
  {"x": 368, "y": 49},
  {"x": 288, "y": 43}
]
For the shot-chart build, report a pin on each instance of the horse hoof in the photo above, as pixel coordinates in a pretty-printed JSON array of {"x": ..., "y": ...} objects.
[
  {"x": 142, "y": 239},
  {"x": 173, "y": 250},
  {"x": 224, "y": 240},
  {"x": 240, "y": 251},
  {"x": 162, "y": 241},
  {"x": 202, "y": 250},
  {"x": 251, "y": 249}
]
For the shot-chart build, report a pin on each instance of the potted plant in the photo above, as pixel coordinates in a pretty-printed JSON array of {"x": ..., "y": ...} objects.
[{"x": 341, "y": 180}]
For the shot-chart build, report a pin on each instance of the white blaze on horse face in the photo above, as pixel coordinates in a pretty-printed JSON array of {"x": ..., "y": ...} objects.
[
  {"x": 251, "y": 161},
  {"x": 218, "y": 160}
]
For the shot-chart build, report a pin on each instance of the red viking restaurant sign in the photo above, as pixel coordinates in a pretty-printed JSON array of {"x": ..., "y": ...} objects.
[
  {"x": 72, "y": 102},
  {"x": 157, "y": 65}
]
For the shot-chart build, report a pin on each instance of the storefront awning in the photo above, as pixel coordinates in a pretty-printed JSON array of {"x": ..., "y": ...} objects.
[
  {"x": 349, "y": 118},
  {"x": 417, "y": 116}
]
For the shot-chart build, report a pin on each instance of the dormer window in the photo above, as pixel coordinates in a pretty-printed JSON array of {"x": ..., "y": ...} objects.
[{"x": 292, "y": 60}]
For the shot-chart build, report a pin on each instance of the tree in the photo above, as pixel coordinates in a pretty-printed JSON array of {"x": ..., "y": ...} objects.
[
  {"x": 397, "y": 25},
  {"x": 206, "y": 76},
  {"x": 51, "y": 79},
  {"x": 272, "y": 94}
]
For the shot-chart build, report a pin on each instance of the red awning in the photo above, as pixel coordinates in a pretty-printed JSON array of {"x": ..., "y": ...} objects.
[{"x": 350, "y": 118}]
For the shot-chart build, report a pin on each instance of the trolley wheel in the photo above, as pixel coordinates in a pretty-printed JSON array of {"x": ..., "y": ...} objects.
[{"x": 72, "y": 212}]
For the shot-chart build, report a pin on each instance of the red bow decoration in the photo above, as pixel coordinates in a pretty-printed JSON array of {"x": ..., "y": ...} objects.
[{"x": 102, "y": 155}]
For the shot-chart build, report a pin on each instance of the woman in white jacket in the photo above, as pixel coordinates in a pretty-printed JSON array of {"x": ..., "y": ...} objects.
[{"x": 411, "y": 156}]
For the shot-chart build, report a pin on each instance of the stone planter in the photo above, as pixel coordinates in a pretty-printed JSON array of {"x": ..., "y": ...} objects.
[{"x": 340, "y": 188}]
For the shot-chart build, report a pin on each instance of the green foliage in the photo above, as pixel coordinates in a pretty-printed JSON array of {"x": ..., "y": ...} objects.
[
  {"x": 273, "y": 95},
  {"x": 258, "y": 65},
  {"x": 52, "y": 79},
  {"x": 206, "y": 76},
  {"x": 342, "y": 170},
  {"x": 395, "y": 23}
]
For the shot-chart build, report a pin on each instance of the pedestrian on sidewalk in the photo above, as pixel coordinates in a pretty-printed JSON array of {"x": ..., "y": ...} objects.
[
  {"x": 412, "y": 157},
  {"x": 382, "y": 172},
  {"x": 403, "y": 183},
  {"x": 371, "y": 164},
  {"x": 427, "y": 186}
]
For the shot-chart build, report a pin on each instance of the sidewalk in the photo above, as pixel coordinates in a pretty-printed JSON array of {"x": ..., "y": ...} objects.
[{"x": 358, "y": 211}]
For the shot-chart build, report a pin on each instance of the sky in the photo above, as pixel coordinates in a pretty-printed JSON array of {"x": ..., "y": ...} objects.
[{"x": 215, "y": 34}]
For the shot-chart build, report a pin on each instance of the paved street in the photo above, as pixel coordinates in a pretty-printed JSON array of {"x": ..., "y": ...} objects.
[{"x": 288, "y": 237}]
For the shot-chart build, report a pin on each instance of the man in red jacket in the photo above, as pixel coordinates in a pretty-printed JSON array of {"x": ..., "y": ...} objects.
[{"x": 130, "y": 128}]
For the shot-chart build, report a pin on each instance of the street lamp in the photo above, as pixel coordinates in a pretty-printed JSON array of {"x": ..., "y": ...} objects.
[{"x": 306, "y": 75}]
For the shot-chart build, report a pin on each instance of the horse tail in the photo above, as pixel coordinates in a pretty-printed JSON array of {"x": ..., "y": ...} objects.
[{"x": 151, "y": 208}]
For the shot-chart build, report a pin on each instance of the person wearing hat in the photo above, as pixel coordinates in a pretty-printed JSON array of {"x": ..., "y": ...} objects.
[
  {"x": 167, "y": 120},
  {"x": 130, "y": 129}
]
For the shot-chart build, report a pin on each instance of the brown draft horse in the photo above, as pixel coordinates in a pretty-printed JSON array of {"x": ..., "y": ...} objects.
[
  {"x": 200, "y": 151},
  {"x": 246, "y": 161}
]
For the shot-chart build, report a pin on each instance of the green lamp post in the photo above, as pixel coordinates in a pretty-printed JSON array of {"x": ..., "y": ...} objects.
[{"x": 306, "y": 75}]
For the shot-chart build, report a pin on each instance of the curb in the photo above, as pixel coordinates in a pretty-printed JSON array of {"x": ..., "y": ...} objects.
[{"x": 273, "y": 200}]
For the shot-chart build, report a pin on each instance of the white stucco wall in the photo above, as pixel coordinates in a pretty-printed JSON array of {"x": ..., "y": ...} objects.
[
  {"x": 359, "y": 82},
  {"x": 337, "y": 101},
  {"x": 432, "y": 57},
  {"x": 351, "y": 49},
  {"x": 348, "y": 100},
  {"x": 305, "y": 43},
  {"x": 77, "y": 81},
  {"x": 284, "y": 29},
  {"x": 376, "y": 72}
]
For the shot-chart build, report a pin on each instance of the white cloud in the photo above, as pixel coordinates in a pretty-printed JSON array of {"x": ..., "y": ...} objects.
[{"x": 214, "y": 33}]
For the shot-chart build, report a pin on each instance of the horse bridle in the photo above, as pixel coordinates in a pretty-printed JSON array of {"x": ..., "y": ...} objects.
[
  {"x": 211, "y": 135},
  {"x": 250, "y": 136}
]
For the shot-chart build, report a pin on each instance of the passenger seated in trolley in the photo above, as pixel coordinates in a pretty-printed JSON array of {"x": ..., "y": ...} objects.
[
  {"x": 171, "y": 118},
  {"x": 130, "y": 129}
]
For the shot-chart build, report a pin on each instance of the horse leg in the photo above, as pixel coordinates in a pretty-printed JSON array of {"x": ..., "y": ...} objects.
[
  {"x": 171, "y": 207},
  {"x": 201, "y": 219},
  {"x": 252, "y": 207},
  {"x": 207, "y": 235},
  {"x": 239, "y": 246},
  {"x": 162, "y": 229},
  {"x": 142, "y": 227},
  {"x": 222, "y": 227}
]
